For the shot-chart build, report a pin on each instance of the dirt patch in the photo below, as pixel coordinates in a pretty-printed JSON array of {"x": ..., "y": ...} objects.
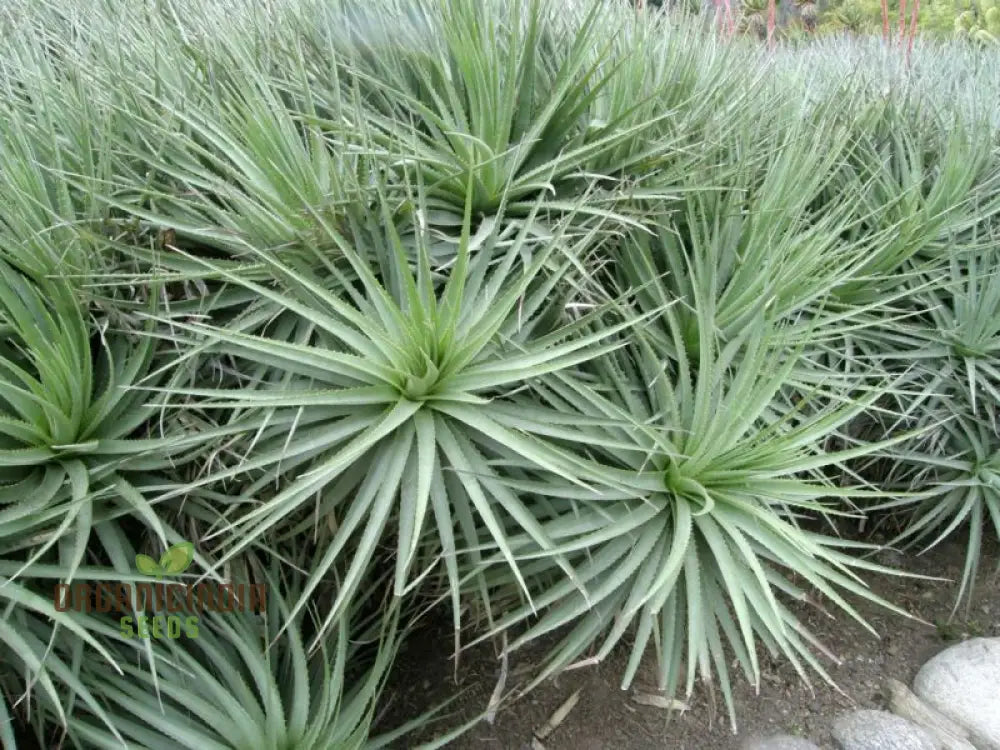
[{"x": 607, "y": 717}]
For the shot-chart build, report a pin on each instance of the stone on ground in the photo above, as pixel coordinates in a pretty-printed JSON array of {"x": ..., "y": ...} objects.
[
  {"x": 778, "y": 742},
  {"x": 903, "y": 702},
  {"x": 963, "y": 683},
  {"x": 880, "y": 730}
]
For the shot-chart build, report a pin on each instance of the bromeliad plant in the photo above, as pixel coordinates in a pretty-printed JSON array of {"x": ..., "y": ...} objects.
[
  {"x": 78, "y": 446},
  {"x": 962, "y": 470},
  {"x": 391, "y": 311},
  {"x": 52, "y": 128},
  {"x": 241, "y": 680},
  {"x": 386, "y": 408},
  {"x": 226, "y": 163},
  {"x": 508, "y": 100},
  {"x": 77, "y": 431},
  {"x": 951, "y": 354},
  {"x": 756, "y": 245},
  {"x": 713, "y": 542},
  {"x": 964, "y": 313},
  {"x": 914, "y": 187}
]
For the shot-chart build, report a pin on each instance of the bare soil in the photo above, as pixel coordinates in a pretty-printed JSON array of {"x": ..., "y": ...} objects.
[{"x": 607, "y": 717}]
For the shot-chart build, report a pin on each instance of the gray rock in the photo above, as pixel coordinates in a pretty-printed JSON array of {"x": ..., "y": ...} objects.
[
  {"x": 903, "y": 702},
  {"x": 880, "y": 730},
  {"x": 963, "y": 683},
  {"x": 778, "y": 742}
]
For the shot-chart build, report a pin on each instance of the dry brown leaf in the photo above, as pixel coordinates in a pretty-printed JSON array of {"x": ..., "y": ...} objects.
[
  {"x": 557, "y": 717},
  {"x": 491, "y": 710},
  {"x": 659, "y": 701}
]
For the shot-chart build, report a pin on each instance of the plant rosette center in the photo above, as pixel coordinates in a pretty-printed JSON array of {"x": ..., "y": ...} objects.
[
  {"x": 418, "y": 386},
  {"x": 678, "y": 484},
  {"x": 987, "y": 471}
]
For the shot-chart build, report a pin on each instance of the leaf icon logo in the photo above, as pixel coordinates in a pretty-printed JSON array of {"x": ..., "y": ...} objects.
[
  {"x": 178, "y": 558},
  {"x": 174, "y": 561},
  {"x": 148, "y": 566}
]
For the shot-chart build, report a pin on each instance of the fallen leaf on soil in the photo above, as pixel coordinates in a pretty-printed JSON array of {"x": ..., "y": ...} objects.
[
  {"x": 659, "y": 701},
  {"x": 557, "y": 717},
  {"x": 491, "y": 710}
]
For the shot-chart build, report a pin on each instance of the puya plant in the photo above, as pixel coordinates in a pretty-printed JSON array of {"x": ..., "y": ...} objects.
[
  {"x": 387, "y": 408},
  {"x": 78, "y": 446},
  {"x": 950, "y": 352},
  {"x": 915, "y": 185},
  {"x": 711, "y": 528},
  {"x": 506, "y": 97},
  {"x": 77, "y": 431},
  {"x": 53, "y": 128},
  {"x": 745, "y": 233},
  {"x": 243, "y": 680},
  {"x": 222, "y": 163}
]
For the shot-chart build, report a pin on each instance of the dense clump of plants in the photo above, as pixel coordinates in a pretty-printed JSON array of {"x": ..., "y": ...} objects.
[{"x": 566, "y": 318}]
